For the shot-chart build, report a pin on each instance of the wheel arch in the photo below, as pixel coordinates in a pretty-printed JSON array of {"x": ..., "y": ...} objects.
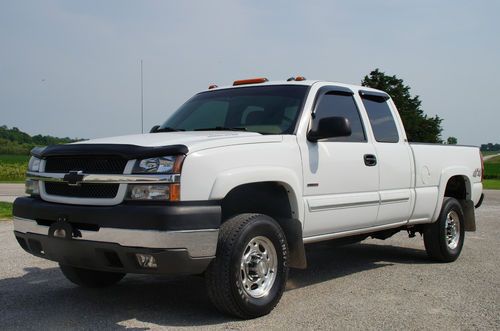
[
  {"x": 229, "y": 180},
  {"x": 456, "y": 184},
  {"x": 269, "y": 191}
]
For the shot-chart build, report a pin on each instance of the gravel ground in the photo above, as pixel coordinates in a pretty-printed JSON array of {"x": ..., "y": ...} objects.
[
  {"x": 9, "y": 192},
  {"x": 372, "y": 285}
]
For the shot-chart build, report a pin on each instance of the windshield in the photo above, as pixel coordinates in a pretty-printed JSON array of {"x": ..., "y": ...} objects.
[{"x": 264, "y": 109}]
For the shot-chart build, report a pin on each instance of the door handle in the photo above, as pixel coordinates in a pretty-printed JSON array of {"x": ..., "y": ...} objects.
[{"x": 370, "y": 160}]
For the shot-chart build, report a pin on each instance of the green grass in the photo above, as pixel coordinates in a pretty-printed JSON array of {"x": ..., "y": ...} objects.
[
  {"x": 496, "y": 160},
  {"x": 5, "y": 210},
  {"x": 13, "y": 168},
  {"x": 492, "y": 168},
  {"x": 491, "y": 184},
  {"x": 13, "y": 172},
  {"x": 14, "y": 159}
]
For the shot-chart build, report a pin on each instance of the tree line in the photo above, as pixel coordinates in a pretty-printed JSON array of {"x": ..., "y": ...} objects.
[
  {"x": 15, "y": 141},
  {"x": 489, "y": 147}
]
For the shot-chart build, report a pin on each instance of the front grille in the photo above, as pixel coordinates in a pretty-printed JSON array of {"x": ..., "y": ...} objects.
[
  {"x": 91, "y": 191},
  {"x": 94, "y": 165}
]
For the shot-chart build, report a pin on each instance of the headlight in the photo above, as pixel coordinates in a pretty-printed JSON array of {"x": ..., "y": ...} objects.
[
  {"x": 34, "y": 164},
  {"x": 158, "y": 165},
  {"x": 156, "y": 192}
]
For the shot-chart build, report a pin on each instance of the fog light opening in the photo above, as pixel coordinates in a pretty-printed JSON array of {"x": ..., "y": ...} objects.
[
  {"x": 31, "y": 187},
  {"x": 146, "y": 261}
]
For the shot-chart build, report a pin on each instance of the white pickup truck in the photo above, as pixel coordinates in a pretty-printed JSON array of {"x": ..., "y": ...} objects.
[{"x": 234, "y": 184}]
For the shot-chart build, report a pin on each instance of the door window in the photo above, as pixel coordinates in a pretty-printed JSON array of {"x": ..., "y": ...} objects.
[{"x": 341, "y": 105}]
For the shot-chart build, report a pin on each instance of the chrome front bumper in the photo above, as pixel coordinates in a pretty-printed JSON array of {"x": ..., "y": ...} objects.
[{"x": 198, "y": 243}]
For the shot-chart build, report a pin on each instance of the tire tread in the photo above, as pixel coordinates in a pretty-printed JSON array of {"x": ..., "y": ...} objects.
[
  {"x": 218, "y": 275},
  {"x": 433, "y": 237}
]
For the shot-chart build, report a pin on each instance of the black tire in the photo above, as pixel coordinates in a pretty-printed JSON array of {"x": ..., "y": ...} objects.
[
  {"x": 435, "y": 234},
  {"x": 224, "y": 274},
  {"x": 90, "y": 278}
]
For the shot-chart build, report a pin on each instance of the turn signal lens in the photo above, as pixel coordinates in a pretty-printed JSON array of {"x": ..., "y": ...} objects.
[
  {"x": 250, "y": 81},
  {"x": 175, "y": 192}
]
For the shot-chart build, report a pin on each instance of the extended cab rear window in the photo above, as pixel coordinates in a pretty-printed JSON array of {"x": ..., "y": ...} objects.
[{"x": 381, "y": 119}]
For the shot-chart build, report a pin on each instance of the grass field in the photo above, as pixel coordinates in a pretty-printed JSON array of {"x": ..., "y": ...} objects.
[
  {"x": 495, "y": 160},
  {"x": 5, "y": 210},
  {"x": 491, "y": 184},
  {"x": 14, "y": 159},
  {"x": 492, "y": 169},
  {"x": 13, "y": 167}
]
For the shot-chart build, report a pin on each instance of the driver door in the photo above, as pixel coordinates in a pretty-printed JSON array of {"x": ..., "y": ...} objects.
[{"x": 341, "y": 176}]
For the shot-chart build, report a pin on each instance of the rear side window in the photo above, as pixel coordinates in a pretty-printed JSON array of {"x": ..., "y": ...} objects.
[
  {"x": 383, "y": 125},
  {"x": 342, "y": 105}
]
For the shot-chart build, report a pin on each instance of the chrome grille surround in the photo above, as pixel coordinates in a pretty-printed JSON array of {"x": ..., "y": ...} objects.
[
  {"x": 122, "y": 180},
  {"x": 78, "y": 200}
]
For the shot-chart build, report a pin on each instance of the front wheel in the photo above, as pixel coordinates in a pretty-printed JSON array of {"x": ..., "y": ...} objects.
[
  {"x": 90, "y": 278},
  {"x": 248, "y": 276},
  {"x": 444, "y": 238}
]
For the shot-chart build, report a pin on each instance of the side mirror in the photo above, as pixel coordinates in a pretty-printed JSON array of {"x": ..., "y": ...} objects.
[
  {"x": 154, "y": 129},
  {"x": 330, "y": 127}
]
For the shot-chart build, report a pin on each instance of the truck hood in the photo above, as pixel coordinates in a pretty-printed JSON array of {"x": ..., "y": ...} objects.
[{"x": 193, "y": 140}]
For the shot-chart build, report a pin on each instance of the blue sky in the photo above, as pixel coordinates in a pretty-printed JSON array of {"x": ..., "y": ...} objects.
[{"x": 71, "y": 68}]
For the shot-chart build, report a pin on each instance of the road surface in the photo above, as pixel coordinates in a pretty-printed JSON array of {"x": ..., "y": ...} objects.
[
  {"x": 9, "y": 192},
  {"x": 382, "y": 285}
]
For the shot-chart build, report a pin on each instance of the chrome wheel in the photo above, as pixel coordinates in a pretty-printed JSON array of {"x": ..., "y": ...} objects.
[
  {"x": 452, "y": 229},
  {"x": 259, "y": 264}
]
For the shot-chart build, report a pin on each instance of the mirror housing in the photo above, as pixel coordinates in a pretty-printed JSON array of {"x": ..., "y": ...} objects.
[
  {"x": 154, "y": 129},
  {"x": 330, "y": 127}
]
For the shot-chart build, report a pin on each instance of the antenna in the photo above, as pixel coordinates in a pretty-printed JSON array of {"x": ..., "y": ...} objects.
[{"x": 142, "y": 102}]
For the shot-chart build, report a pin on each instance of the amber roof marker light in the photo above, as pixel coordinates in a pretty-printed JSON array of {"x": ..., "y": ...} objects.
[
  {"x": 250, "y": 81},
  {"x": 296, "y": 79},
  {"x": 212, "y": 86}
]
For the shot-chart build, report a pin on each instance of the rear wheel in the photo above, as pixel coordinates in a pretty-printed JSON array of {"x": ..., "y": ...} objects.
[
  {"x": 90, "y": 278},
  {"x": 444, "y": 238},
  {"x": 248, "y": 276}
]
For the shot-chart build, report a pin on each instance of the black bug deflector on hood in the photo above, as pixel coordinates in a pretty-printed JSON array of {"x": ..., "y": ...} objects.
[{"x": 122, "y": 150}]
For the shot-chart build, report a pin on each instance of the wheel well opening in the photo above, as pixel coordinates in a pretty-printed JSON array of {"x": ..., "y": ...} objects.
[
  {"x": 456, "y": 188},
  {"x": 269, "y": 198},
  {"x": 272, "y": 199}
]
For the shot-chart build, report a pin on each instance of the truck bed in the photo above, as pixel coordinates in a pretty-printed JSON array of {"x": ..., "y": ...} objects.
[{"x": 434, "y": 165}]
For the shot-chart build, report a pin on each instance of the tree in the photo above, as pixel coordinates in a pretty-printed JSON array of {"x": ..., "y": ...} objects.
[
  {"x": 419, "y": 127},
  {"x": 452, "y": 141},
  {"x": 14, "y": 141}
]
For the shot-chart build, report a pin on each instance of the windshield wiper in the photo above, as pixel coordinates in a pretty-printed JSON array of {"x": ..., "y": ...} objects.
[
  {"x": 221, "y": 128},
  {"x": 168, "y": 129}
]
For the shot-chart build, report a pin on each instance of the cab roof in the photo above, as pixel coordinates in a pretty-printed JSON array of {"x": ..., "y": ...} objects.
[{"x": 305, "y": 82}]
